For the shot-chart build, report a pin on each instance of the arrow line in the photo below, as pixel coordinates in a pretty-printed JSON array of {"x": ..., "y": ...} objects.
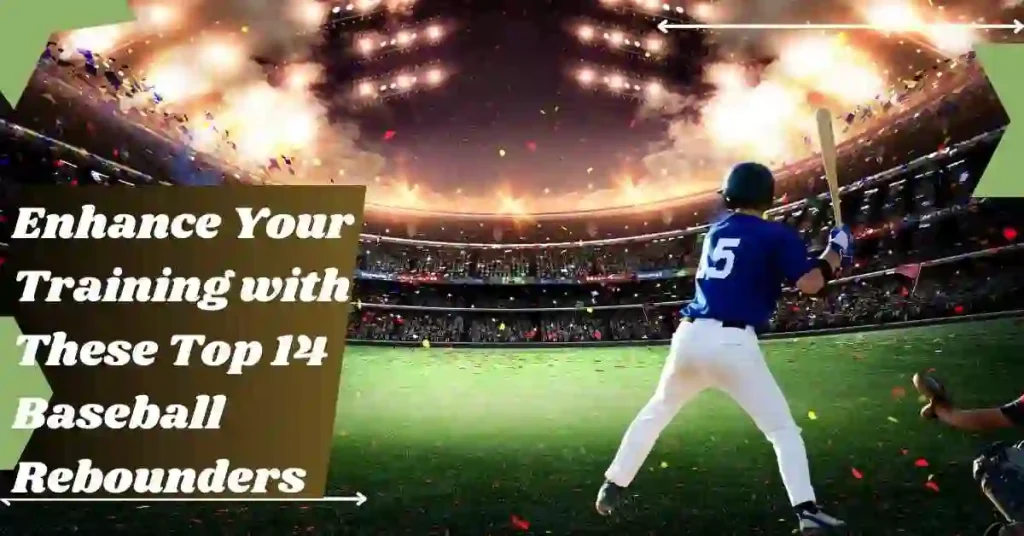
[
  {"x": 664, "y": 26},
  {"x": 358, "y": 498}
]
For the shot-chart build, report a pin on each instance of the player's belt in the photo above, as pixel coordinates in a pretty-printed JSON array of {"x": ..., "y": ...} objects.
[{"x": 725, "y": 323}]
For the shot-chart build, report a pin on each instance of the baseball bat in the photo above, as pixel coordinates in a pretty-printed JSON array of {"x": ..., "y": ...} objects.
[{"x": 829, "y": 156}]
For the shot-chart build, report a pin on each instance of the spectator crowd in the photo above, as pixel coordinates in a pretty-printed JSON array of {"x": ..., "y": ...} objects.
[{"x": 629, "y": 284}]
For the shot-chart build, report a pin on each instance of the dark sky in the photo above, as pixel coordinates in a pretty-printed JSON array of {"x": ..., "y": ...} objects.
[{"x": 512, "y": 89}]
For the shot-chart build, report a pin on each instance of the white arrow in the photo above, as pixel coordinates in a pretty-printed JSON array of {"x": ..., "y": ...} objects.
[
  {"x": 358, "y": 498},
  {"x": 1017, "y": 26}
]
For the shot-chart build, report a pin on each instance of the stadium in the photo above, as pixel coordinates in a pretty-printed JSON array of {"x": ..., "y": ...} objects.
[{"x": 499, "y": 345}]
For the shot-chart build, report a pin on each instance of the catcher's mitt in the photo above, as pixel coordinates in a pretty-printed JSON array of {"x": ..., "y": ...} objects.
[{"x": 932, "y": 389}]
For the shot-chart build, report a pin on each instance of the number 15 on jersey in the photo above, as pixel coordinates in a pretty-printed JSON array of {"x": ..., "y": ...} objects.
[{"x": 717, "y": 262}]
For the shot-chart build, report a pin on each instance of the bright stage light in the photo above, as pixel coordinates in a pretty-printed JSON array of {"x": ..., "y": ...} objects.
[
  {"x": 585, "y": 76},
  {"x": 586, "y": 33},
  {"x": 435, "y": 33}
]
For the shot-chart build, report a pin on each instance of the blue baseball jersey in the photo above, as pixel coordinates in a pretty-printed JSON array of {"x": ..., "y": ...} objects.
[{"x": 743, "y": 266}]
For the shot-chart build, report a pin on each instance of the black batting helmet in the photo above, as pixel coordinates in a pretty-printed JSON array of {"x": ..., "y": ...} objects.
[{"x": 748, "y": 185}]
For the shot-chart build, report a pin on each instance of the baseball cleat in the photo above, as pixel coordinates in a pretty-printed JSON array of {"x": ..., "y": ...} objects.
[
  {"x": 609, "y": 498},
  {"x": 819, "y": 523}
]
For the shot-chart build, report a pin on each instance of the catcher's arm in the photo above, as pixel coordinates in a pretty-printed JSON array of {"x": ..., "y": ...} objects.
[
  {"x": 940, "y": 407},
  {"x": 974, "y": 420}
]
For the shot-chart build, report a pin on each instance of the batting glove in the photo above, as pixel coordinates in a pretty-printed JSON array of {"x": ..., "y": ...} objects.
[{"x": 840, "y": 240}]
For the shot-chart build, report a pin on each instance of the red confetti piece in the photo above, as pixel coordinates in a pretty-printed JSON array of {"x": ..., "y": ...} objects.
[
  {"x": 904, "y": 452},
  {"x": 921, "y": 463},
  {"x": 531, "y": 145},
  {"x": 1010, "y": 234},
  {"x": 520, "y": 523},
  {"x": 389, "y": 134},
  {"x": 856, "y": 474},
  {"x": 959, "y": 309},
  {"x": 932, "y": 486},
  {"x": 898, "y": 392}
]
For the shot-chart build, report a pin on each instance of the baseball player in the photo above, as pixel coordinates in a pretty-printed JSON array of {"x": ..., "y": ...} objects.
[
  {"x": 1000, "y": 467},
  {"x": 744, "y": 263}
]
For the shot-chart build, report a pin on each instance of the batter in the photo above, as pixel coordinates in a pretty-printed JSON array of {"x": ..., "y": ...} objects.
[{"x": 744, "y": 263}]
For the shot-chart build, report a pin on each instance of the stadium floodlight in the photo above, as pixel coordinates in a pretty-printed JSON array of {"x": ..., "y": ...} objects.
[
  {"x": 435, "y": 76},
  {"x": 585, "y": 76},
  {"x": 620, "y": 84},
  {"x": 650, "y": 7},
  {"x": 652, "y": 47},
  {"x": 405, "y": 82},
  {"x": 375, "y": 44}
]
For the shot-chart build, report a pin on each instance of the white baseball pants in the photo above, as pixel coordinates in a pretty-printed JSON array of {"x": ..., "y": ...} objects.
[{"x": 706, "y": 355}]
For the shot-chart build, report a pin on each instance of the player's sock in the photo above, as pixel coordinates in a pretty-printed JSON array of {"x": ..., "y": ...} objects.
[
  {"x": 808, "y": 507},
  {"x": 814, "y": 521}
]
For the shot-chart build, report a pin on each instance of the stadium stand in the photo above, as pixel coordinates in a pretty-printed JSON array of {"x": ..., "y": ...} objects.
[{"x": 925, "y": 248}]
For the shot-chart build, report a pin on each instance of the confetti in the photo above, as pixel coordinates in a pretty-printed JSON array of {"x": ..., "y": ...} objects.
[
  {"x": 898, "y": 392},
  {"x": 520, "y": 523},
  {"x": 501, "y": 152},
  {"x": 389, "y": 135},
  {"x": 426, "y": 343},
  {"x": 664, "y": 465},
  {"x": 932, "y": 486},
  {"x": 531, "y": 145},
  {"x": 856, "y": 474},
  {"x": 812, "y": 415},
  {"x": 893, "y": 419},
  {"x": 590, "y": 170},
  {"x": 921, "y": 462}
]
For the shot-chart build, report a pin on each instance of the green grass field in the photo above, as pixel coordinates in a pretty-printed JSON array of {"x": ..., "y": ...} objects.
[{"x": 458, "y": 442}]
